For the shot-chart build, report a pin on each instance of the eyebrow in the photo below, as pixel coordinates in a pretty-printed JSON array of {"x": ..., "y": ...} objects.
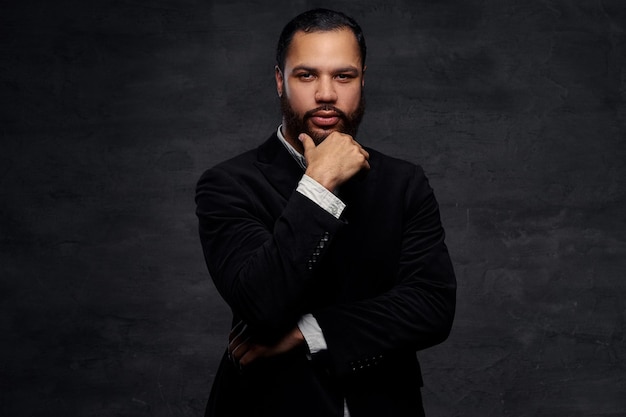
[{"x": 349, "y": 69}]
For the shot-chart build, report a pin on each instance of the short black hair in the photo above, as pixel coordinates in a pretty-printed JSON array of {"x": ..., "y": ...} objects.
[{"x": 317, "y": 20}]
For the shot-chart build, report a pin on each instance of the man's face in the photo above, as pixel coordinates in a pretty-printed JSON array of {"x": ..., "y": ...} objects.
[{"x": 321, "y": 85}]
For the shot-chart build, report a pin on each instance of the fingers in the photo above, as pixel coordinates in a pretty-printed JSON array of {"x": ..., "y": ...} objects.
[
  {"x": 352, "y": 151},
  {"x": 252, "y": 353},
  {"x": 237, "y": 337},
  {"x": 334, "y": 161},
  {"x": 239, "y": 328},
  {"x": 240, "y": 349},
  {"x": 365, "y": 164},
  {"x": 244, "y": 351},
  {"x": 238, "y": 342},
  {"x": 365, "y": 154},
  {"x": 307, "y": 142}
]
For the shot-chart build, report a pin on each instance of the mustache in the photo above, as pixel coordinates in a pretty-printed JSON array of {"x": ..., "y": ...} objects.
[{"x": 326, "y": 107}]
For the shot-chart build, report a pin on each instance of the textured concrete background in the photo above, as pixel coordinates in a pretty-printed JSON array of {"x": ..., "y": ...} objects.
[{"x": 112, "y": 109}]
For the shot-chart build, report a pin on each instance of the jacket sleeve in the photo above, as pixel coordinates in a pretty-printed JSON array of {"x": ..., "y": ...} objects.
[
  {"x": 261, "y": 266},
  {"x": 416, "y": 312}
]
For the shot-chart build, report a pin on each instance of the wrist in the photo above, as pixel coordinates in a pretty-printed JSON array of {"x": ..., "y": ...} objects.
[
  {"x": 298, "y": 335},
  {"x": 323, "y": 178}
]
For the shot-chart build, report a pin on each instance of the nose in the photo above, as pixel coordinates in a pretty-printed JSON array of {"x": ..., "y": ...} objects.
[{"x": 325, "y": 92}]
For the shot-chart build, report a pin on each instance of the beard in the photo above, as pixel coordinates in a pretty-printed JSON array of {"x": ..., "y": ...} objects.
[{"x": 295, "y": 123}]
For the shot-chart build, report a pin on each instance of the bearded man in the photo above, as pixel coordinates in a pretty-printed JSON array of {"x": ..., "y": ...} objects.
[{"x": 330, "y": 255}]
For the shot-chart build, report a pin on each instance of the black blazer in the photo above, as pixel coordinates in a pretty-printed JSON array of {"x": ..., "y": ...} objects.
[{"x": 378, "y": 280}]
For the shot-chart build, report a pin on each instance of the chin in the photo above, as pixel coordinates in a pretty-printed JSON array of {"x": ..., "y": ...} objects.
[{"x": 319, "y": 134}]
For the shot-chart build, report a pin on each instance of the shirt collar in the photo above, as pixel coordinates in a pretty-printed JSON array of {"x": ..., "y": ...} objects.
[{"x": 292, "y": 151}]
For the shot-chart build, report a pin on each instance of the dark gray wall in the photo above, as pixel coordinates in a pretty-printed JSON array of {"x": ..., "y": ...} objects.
[{"x": 112, "y": 109}]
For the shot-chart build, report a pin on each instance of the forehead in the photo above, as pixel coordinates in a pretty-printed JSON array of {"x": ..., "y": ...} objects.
[{"x": 334, "y": 47}]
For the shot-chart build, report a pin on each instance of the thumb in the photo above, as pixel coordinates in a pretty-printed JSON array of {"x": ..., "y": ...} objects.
[{"x": 307, "y": 141}]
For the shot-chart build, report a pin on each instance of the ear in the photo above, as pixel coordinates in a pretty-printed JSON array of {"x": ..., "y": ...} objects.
[
  {"x": 363, "y": 77},
  {"x": 280, "y": 81}
]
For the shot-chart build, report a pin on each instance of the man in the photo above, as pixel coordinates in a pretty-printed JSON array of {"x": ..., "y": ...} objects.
[{"x": 331, "y": 257}]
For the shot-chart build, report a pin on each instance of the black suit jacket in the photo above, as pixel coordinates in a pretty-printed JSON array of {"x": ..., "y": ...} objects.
[{"x": 378, "y": 280}]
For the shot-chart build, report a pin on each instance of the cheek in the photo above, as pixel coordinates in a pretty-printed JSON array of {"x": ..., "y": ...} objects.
[
  {"x": 352, "y": 98},
  {"x": 299, "y": 98}
]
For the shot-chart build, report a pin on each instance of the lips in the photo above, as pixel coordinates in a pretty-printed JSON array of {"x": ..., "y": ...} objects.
[{"x": 325, "y": 119}]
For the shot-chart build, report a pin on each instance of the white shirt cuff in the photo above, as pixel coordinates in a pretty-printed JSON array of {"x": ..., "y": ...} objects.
[
  {"x": 320, "y": 195},
  {"x": 312, "y": 333}
]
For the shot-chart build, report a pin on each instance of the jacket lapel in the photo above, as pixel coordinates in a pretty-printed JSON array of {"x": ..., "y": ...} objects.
[{"x": 278, "y": 166}]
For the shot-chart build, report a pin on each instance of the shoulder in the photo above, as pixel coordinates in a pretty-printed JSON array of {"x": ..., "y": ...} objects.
[
  {"x": 233, "y": 165},
  {"x": 400, "y": 180},
  {"x": 240, "y": 165},
  {"x": 393, "y": 167}
]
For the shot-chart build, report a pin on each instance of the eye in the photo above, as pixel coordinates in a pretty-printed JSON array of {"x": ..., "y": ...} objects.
[
  {"x": 305, "y": 76},
  {"x": 344, "y": 77}
]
